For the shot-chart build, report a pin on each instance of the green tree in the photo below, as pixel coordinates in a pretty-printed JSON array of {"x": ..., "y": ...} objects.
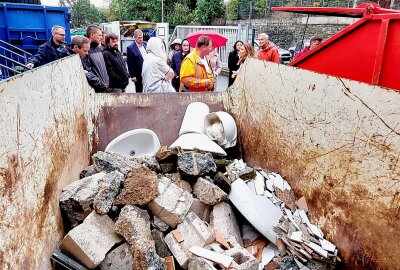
[
  {"x": 180, "y": 15},
  {"x": 83, "y": 12},
  {"x": 175, "y": 11},
  {"x": 208, "y": 10},
  {"x": 232, "y": 9}
]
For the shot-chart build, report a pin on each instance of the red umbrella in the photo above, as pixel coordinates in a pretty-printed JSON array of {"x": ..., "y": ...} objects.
[{"x": 218, "y": 40}]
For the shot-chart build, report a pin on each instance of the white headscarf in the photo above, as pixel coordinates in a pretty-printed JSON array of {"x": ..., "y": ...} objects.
[{"x": 156, "y": 46}]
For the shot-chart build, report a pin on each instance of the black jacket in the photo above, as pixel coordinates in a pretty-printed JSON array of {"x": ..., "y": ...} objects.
[
  {"x": 232, "y": 65},
  {"x": 116, "y": 68},
  {"x": 97, "y": 63},
  {"x": 47, "y": 52},
  {"x": 94, "y": 81}
]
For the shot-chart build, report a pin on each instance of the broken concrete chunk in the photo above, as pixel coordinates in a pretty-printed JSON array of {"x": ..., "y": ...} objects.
[
  {"x": 161, "y": 247},
  {"x": 110, "y": 161},
  {"x": 249, "y": 234},
  {"x": 177, "y": 180},
  {"x": 223, "y": 219},
  {"x": 194, "y": 232},
  {"x": 208, "y": 193},
  {"x": 168, "y": 167},
  {"x": 159, "y": 224},
  {"x": 165, "y": 154},
  {"x": 201, "y": 209},
  {"x": 173, "y": 203},
  {"x": 118, "y": 259},
  {"x": 134, "y": 225},
  {"x": 222, "y": 182},
  {"x": 108, "y": 190},
  {"x": 195, "y": 164},
  {"x": 242, "y": 259},
  {"x": 88, "y": 171},
  {"x": 76, "y": 198},
  {"x": 221, "y": 259},
  {"x": 90, "y": 241},
  {"x": 140, "y": 187},
  {"x": 150, "y": 162},
  {"x": 198, "y": 263}
]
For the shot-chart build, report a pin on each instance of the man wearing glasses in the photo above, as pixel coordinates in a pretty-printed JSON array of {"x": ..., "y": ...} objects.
[{"x": 51, "y": 50}]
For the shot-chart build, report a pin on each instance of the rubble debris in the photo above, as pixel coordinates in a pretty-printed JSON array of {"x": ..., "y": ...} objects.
[
  {"x": 207, "y": 192},
  {"x": 177, "y": 180},
  {"x": 219, "y": 258},
  {"x": 88, "y": 171},
  {"x": 169, "y": 262},
  {"x": 302, "y": 204},
  {"x": 168, "y": 155},
  {"x": 172, "y": 204},
  {"x": 77, "y": 198},
  {"x": 161, "y": 247},
  {"x": 150, "y": 162},
  {"x": 139, "y": 188},
  {"x": 159, "y": 224},
  {"x": 198, "y": 263},
  {"x": 108, "y": 190},
  {"x": 90, "y": 241},
  {"x": 249, "y": 234},
  {"x": 242, "y": 259},
  {"x": 267, "y": 254},
  {"x": 223, "y": 220},
  {"x": 167, "y": 158},
  {"x": 194, "y": 232},
  {"x": 201, "y": 209},
  {"x": 239, "y": 169},
  {"x": 194, "y": 164},
  {"x": 180, "y": 213},
  {"x": 119, "y": 258},
  {"x": 223, "y": 182},
  {"x": 110, "y": 161},
  {"x": 134, "y": 225}
]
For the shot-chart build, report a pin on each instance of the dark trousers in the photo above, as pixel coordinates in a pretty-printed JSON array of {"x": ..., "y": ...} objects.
[{"x": 139, "y": 85}]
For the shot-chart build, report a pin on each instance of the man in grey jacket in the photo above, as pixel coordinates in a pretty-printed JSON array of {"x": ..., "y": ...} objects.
[{"x": 95, "y": 57}]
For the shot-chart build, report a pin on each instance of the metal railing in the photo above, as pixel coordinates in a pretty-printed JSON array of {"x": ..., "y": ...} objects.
[
  {"x": 248, "y": 10},
  {"x": 13, "y": 60},
  {"x": 232, "y": 33}
]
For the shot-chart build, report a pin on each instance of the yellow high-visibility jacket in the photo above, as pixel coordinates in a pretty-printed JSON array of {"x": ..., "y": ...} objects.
[{"x": 193, "y": 74}]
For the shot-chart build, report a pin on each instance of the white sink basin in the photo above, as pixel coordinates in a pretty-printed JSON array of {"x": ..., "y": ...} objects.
[{"x": 135, "y": 143}]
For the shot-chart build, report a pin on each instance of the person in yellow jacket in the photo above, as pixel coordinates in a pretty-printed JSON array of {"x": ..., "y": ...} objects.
[{"x": 196, "y": 72}]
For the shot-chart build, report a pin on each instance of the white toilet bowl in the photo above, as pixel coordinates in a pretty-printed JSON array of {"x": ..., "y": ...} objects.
[{"x": 135, "y": 143}]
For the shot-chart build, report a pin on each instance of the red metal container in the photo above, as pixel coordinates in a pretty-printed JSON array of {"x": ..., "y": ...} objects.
[{"x": 366, "y": 51}]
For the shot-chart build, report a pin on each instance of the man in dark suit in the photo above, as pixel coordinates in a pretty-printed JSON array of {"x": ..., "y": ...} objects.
[{"x": 135, "y": 54}]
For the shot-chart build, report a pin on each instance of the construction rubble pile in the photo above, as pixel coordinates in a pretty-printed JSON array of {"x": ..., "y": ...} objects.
[{"x": 186, "y": 210}]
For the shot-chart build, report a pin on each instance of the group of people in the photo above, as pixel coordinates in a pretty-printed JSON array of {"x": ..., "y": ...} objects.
[
  {"x": 241, "y": 51},
  {"x": 147, "y": 65}
]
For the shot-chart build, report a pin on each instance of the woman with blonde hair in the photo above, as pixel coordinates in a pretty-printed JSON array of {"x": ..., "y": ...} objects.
[{"x": 246, "y": 51}]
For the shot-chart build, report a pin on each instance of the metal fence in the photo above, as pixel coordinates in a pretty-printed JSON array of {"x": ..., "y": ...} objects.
[
  {"x": 13, "y": 60},
  {"x": 250, "y": 11},
  {"x": 233, "y": 33}
]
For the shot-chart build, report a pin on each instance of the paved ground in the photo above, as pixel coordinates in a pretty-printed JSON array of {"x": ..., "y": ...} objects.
[{"x": 222, "y": 84}]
